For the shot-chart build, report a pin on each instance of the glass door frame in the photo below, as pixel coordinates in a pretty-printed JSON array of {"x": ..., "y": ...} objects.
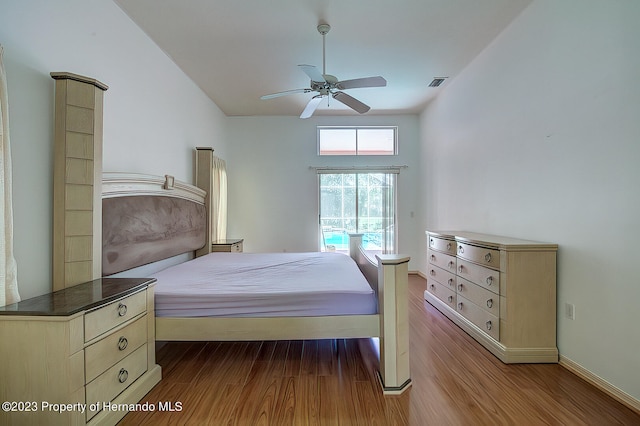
[{"x": 389, "y": 220}]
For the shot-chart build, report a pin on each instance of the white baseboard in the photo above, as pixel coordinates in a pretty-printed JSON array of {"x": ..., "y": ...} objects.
[{"x": 611, "y": 390}]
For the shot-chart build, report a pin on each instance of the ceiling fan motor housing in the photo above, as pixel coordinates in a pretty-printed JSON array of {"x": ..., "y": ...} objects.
[{"x": 324, "y": 28}]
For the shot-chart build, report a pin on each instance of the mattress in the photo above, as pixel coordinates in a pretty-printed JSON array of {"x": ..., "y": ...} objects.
[{"x": 264, "y": 285}]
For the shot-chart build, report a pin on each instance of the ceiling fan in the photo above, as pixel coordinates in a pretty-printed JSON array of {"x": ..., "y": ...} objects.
[{"x": 328, "y": 85}]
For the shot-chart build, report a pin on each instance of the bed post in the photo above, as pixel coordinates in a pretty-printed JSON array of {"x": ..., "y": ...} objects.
[
  {"x": 393, "y": 307},
  {"x": 389, "y": 279},
  {"x": 77, "y": 180},
  {"x": 203, "y": 178}
]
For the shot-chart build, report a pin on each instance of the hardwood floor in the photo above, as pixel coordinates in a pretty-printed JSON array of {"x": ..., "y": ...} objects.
[{"x": 332, "y": 382}]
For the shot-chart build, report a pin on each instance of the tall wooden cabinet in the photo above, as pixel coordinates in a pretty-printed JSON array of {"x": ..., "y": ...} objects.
[{"x": 500, "y": 290}]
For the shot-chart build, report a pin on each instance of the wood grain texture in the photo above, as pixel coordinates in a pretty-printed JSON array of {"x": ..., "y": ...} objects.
[
  {"x": 76, "y": 179},
  {"x": 456, "y": 381}
]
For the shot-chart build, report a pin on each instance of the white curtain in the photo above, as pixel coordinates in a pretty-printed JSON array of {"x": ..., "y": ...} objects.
[
  {"x": 8, "y": 269},
  {"x": 219, "y": 200}
]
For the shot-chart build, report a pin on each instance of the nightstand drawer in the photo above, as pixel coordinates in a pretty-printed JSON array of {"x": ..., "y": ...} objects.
[
  {"x": 116, "y": 379},
  {"x": 104, "y": 319},
  {"x": 229, "y": 246},
  {"x": 108, "y": 351}
]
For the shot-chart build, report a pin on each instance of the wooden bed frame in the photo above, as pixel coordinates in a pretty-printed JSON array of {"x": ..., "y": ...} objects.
[{"x": 388, "y": 279}]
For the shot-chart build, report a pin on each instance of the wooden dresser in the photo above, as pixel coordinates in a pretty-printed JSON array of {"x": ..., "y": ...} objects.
[
  {"x": 502, "y": 291},
  {"x": 84, "y": 346}
]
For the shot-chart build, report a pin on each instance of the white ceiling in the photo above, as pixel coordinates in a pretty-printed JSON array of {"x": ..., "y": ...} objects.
[{"x": 239, "y": 50}]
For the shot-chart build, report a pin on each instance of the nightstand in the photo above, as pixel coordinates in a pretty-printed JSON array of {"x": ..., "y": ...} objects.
[
  {"x": 233, "y": 246},
  {"x": 85, "y": 346}
]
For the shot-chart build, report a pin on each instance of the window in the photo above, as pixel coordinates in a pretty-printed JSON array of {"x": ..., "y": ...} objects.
[
  {"x": 357, "y": 202},
  {"x": 357, "y": 140}
]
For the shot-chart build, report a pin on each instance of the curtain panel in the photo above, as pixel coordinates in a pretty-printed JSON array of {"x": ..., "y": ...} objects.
[
  {"x": 219, "y": 200},
  {"x": 8, "y": 268}
]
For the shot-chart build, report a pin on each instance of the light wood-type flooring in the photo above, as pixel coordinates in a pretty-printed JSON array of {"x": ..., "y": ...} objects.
[{"x": 332, "y": 382}]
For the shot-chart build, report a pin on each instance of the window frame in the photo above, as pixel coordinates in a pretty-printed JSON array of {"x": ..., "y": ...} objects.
[{"x": 357, "y": 128}]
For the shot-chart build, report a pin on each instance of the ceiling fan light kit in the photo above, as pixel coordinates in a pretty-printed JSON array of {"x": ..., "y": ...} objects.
[{"x": 327, "y": 85}]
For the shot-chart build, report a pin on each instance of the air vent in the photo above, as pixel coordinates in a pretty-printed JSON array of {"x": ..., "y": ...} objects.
[{"x": 437, "y": 81}]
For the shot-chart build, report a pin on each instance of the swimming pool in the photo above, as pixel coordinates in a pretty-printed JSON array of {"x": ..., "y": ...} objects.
[{"x": 340, "y": 240}]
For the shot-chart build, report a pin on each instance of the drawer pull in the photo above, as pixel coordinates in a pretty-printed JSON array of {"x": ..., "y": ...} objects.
[
  {"x": 433, "y": 258},
  {"x": 489, "y": 325},
  {"x": 460, "y": 249},
  {"x": 431, "y": 241},
  {"x": 487, "y": 257},
  {"x": 489, "y": 280},
  {"x": 450, "y": 282},
  {"x": 460, "y": 287},
  {"x": 448, "y": 246},
  {"x": 460, "y": 306},
  {"x": 122, "y": 343},
  {"x": 452, "y": 265},
  {"x": 432, "y": 286},
  {"x": 460, "y": 268},
  {"x": 450, "y": 299},
  {"x": 122, "y": 310},
  {"x": 490, "y": 303},
  {"x": 432, "y": 273},
  {"x": 123, "y": 375}
]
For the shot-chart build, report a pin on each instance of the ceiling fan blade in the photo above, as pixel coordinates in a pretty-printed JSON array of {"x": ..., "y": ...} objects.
[
  {"x": 351, "y": 102},
  {"x": 286, "y": 92},
  {"x": 311, "y": 106},
  {"x": 313, "y": 73},
  {"x": 362, "y": 82}
]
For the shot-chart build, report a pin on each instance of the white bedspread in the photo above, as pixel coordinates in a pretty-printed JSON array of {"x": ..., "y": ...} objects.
[{"x": 264, "y": 285}]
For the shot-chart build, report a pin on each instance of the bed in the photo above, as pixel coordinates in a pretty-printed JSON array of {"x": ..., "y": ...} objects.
[{"x": 150, "y": 218}]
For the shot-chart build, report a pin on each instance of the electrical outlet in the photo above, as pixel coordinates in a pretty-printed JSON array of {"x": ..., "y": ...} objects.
[{"x": 570, "y": 311}]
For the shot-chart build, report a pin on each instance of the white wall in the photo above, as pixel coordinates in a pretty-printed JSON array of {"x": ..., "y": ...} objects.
[
  {"x": 539, "y": 138},
  {"x": 273, "y": 194},
  {"x": 153, "y": 114}
]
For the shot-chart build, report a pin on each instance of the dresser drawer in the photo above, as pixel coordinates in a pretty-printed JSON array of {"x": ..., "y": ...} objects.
[
  {"x": 109, "y": 316},
  {"x": 488, "y": 323},
  {"x": 443, "y": 277},
  {"x": 480, "y": 255},
  {"x": 111, "y": 349},
  {"x": 116, "y": 379},
  {"x": 445, "y": 261},
  {"x": 482, "y": 297},
  {"x": 442, "y": 244},
  {"x": 484, "y": 277},
  {"x": 443, "y": 293}
]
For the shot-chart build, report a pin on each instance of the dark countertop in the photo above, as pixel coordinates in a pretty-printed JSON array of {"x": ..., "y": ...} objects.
[{"x": 77, "y": 298}]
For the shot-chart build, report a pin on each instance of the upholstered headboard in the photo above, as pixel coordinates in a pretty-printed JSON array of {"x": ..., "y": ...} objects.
[{"x": 148, "y": 218}]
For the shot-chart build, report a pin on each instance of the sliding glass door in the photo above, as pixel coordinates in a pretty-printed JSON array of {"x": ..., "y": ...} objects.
[{"x": 357, "y": 202}]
